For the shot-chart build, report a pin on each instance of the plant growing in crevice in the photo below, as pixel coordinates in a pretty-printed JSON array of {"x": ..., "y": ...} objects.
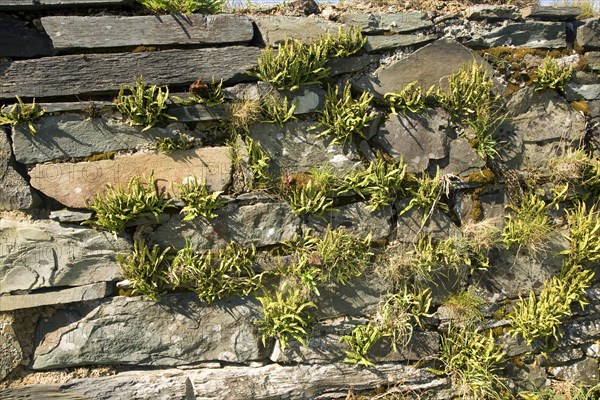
[
  {"x": 258, "y": 160},
  {"x": 277, "y": 111},
  {"x": 244, "y": 113},
  {"x": 464, "y": 307},
  {"x": 210, "y": 94},
  {"x": 197, "y": 199},
  {"x": 21, "y": 113},
  {"x": 313, "y": 195},
  {"x": 183, "y": 6},
  {"x": 411, "y": 99},
  {"x": 346, "y": 43},
  {"x": 167, "y": 145},
  {"x": 426, "y": 195},
  {"x": 361, "y": 340},
  {"x": 584, "y": 234},
  {"x": 116, "y": 207},
  {"x": 143, "y": 105},
  {"x": 343, "y": 117},
  {"x": 550, "y": 75},
  {"x": 145, "y": 269}
]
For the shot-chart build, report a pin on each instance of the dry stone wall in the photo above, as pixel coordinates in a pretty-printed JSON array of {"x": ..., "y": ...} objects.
[{"x": 64, "y": 303}]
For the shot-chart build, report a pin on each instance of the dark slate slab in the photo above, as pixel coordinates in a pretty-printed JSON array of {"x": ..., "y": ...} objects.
[
  {"x": 70, "y": 32},
  {"x": 402, "y": 22},
  {"x": 101, "y": 73},
  {"x": 18, "y": 40},
  {"x": 383, "y": 43},
  {"x": 533, "y": 34},
  {"x": 588, "y": 35},
  {"x": 44, "y": 4},
  {"x": 551, "y": 13}
]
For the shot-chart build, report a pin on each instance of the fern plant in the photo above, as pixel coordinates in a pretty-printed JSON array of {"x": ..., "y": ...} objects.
[
  {"x": 277, "y": 111},
  {"x": 410, "y": 99},
  {"x": 146, "y": 269},
  {"x": 21, "y": 113},
  {"x": 550, "y": 75},
  {"x": 198, "y": 201}
]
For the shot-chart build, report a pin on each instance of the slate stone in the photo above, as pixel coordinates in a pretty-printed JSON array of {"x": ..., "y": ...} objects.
[
  {"x": 64, "y": 296},
  {"x": 10, "y": 348},
  {"x": 551, "y": 13},
  {"x": 491, "y": 13},
  {"x": 70, "y": 216},
  {"x": 593, "y": 60},
  {"x": 355, "y": 219},
  {"x": 383, "y": 43},
  {"x": 341, "y": 66},
  {"x": 276, "y": 29},
  {"x": 429, "y": 66},
  {"x": 462, "y": 159},
  {"x": 358, "y": 297},
  {"x": 261, "y": 224},
  {"x": 48, "y": 4},
  {"x": 308, "y": 99},
  {"x": 584, "y": 372},
  {"x": 39, "y": 254},
  {"x": 409, "y": 225},
  {"x": 493, "y": 206},
  {"x": 297, "y": 147},
  {"x": 199, "y": 112},
  {"x": 535, "y": 35},
  {"x": 72, "y": 135},
  {"x": 20, "y": 41},
  {"x": 16, "y": 194},
  {"x": 75, "y": 184},
  {"x": 576, "y": 91},
  {"x": 417, "y": 139},
  {"x": 581, "y": 331},
  {"x": 75, "y": 32},
  {"x": 178, "y": 330},
  {"x": 397, "y": 23}
]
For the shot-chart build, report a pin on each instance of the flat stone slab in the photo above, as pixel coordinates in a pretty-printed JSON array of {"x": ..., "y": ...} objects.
[
  {"x": 16, "y": 193},
  {"x": 276, "y": 29},
  {"x": 533, "y": 34},
  {"x": 492, "y": 13},
  {"x": 44, "y": 253},
  {"x": 69, "y": 136},
  {"x": 409, "y": 226},
  {"x": 576, "y": 91},
  {"x": 260, "y": 224},
  {"x": 296, "y": 147},
  {"x": 416, "y": 138},
  {"x": 43, "y": 4},
  {"x": 12, "y": 354},
  {"x": 178, "y": 330},
  {"x": 551, "y": 13},
  {"x": 74, "y": 184},
  {"x": 73, "y": 32},
  {"x": 64, "y": 296},
  {"x": 18, "y": 40},
  {"x": 383, "y": 43},
  {"x": 429, "y": 66},
  {"x": 462, "y": 159},
  {"x": 398, "y": 23},
  {"x": 102, "y": 73},
  {"x": 199, "y": 112},
  {"x": 588, "y": 35}
]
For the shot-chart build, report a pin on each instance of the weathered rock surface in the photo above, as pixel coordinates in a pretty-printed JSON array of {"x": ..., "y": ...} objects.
[
  {"x": 276, "y": 29},
  {"x": 297, "y": 147},
  {"x": 588, "y": 35},
  {"x": 72, "y": 135},
  {"x": 294, "y": 382},
  {"x": 536, "y": 35},
  {"x": 340, "y": 66},
  {"x": 355, "y": 219},
  {"x": 178, "y": 330},
  {"x": 416, "y": 138},
  {"x": 359, "y": 297},
  {"x": 70, "y": 216},
  {"x": 43, "y": 4},
  {"x": 9, "y": 346},
  {"x": 430, "y": 65},
  {"x": 410, "y": 223},
  {"x": 397, "y": 23},
  {"x": 259, "y": 224},
  {"x": 551, "y": 13},
  {"x": 16, "y": 194},
  {"x": 101, "y": 73},
  {"x": 492, "y": 13},
  {"x": 64, "y": 296},
  {"x": 45, "y": 254},
  {"x": 576, "y": 91},
  {"x": 582, "y": 331},
  {"x": 462, "y": 159},
  {"x": 18, "y": 40},
  {"x": 199, "y": 112},
  {"x": 74, "y": 184},
  {"x": 593, "y": 60},
  {"x": 173, "y": 29},
  {"x": 584, "y": 372},
  {"x": 383, "y": 43}
]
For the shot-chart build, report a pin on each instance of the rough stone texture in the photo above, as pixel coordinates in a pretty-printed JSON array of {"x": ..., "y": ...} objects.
[
  {"x": 294, "y": 382},
  {"x": 409, "y": 225},
  {"x": 416, "y": 138},
  {"x": 43, "y": 4},
  {"x": 70, "y": 216},
  {"x": 492, "y": 13},
  {"x": 588, "y": 35},
  {"x": 16, "y": 194},
  {"x": 100, "y": 73},
  {"x": 536, "y": 35},
  {"x": 493, "y": 206},
  {"x": 429, "y": 66},
  {"x": 74, "y": 184},
  {"x": 341, "y": 66},
  {"x": 462, "y": 159},
  {"x": 397, "y": 23},
  {"x": 384, "y": 43},
  {"x": 9, "y": 346},
  {"x": 551, "y": 13},
  {"x": 355, "y": 219},
  {"x": 45, "y": 254},
  {"x": 308, "y": 99},
  {"x": 199, "y": 112},
  {"x": 276, "y": 29},
  {"x": 174, "y": 29},
  {"x": 584, "y": 372},
  {"x": 178, "y": 330},
  {"x": 259, "y": 224},
  {"x": 296, "y": 147},
  {"x": 72, "y": 135},
  {"x": 576, "y": 91},
  {"x": 593, "y": 60},
  {"x": 64, "y": 296},
  {"x": 18, "y": 40},
  {"x": 359, "y": 297},
  {"x": 583, "y": 331}
]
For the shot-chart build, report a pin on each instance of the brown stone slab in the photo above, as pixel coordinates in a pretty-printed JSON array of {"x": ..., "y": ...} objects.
[
  {"x": 105, "y": 73},
  {"x": 70, "y": 295},
  {"x": 72, "y": 184},
  {"x": 71, "y": 32}
]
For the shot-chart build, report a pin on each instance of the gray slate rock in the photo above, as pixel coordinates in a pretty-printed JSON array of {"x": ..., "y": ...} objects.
[
  {"x": 462, "y": 159},
  {"x": 70, "y": 216},
  {"x": 536, "y": 35},
  {"x": 16, "y": 193},
  {"x": 9, "y": 346},
  {"x": 178, "y": 330},
  {"x": 18, "y": 40},
  {"x": 397, "y": 23},
  {"x": 44, "y": 253},
  {"x": 276, "y": 29},
  {"x": 73, "y": 32},
  {"x": 584, "y": 372},
  {"x": 199, "y": 112},
  {"x": 383, "y": 43},
  {"x": 417, "y": 139},
  {"x": 588, "y": 35},
  {"x": 261, "y": 224},
  {"x": 576, "y": 91},
  {"x": 551, "y": 13},
  {"x": 492, "y": 13},
  {"x": 581, "y": 331},
  {"x": 48, "y": 4},
  {"x": 359, "y": 297},
  {"x": 64, "y": 296},
  {"x": 410, "y": 227},
  {"x": 72, "y": 135},
  {"x": 593, "y": 60},
  {"x": 296, "y": 147},
  {"x": 341, "y": 66}
]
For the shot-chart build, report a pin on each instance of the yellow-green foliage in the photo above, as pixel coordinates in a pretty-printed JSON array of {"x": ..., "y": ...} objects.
[
  {"x": 346, "y": 43},
  {"x": 550, "y": 75},
  {"x": 277, "y": 111},
  {"x": 21, "y": 113},
  {"x": 464, "y": 307},
  {"x": 145, "y": 269},
  {"x": 258, "y": 160},
  {"x": 167, "y": 145},
  {"x": 410, "y": 99},
  {"x": 426, "y": 195},
  {"x": 183, "y": 6},
  {"x": 143, "y": 105},
  {"x": 584, "y": 234},
  {"x": 540, "y": 317},
  {"x": 198, "y": 201},
  {"x": 314, "y": 195}
]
